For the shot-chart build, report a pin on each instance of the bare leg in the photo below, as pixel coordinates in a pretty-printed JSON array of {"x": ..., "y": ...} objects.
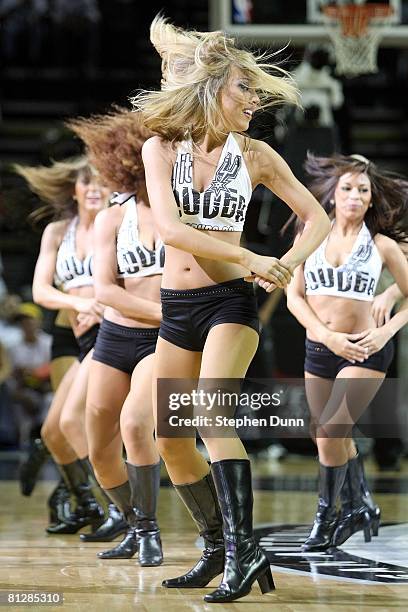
[
  {"x": 136, "y": 419},
  {"x": 72, "y": 421},
  {"x": 242, "y": 342},
  {"x": 183, "y": 461},
  {"x": 51, "y": 433},
  {"x": 59, "y": 367},
  {"x": 107, "y": 390}
]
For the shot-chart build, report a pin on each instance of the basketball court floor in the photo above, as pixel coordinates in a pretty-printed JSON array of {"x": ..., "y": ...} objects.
[{"x": 357, "y": 576}]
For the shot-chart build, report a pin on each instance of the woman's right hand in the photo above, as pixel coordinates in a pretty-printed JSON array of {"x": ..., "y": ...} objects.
[
  {"x": 88, "y": 306},
  {"x": 343, "y": 346},
  {"x": 270, "y": 269}
]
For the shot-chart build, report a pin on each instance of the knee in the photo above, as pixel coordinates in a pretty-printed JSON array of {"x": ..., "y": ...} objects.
[
  {"x": 136, "y": 431},
  {"x": 69, "y": 425},
  {"x": 51, "y": 435},
  {"x": 330, "y": 446}
]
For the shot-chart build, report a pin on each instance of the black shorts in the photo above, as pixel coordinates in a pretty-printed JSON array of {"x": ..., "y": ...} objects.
[
  {"x": 64, "y": 343},
  {"x": 87, "y": 341},
  {"x": 123, "y": 347},
  {"x": 321, "y": 361},
  {"x": 189, "y": 314}
]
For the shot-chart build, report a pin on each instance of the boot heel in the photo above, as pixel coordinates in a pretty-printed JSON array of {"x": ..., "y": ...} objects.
[
  {"x": 266, "y": 583},
  {"x": 367, "y": 528},
  {"x": 375, "y": 526}
]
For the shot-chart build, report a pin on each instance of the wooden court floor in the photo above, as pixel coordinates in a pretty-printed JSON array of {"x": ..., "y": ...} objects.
[{"x": 31, "y": 560}]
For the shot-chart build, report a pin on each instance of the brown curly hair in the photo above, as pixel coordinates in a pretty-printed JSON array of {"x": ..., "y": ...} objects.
[{"x": 114, "y": 143}]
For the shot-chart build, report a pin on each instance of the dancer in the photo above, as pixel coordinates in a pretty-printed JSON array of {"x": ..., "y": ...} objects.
[
  {"x": 200, "y": 173},
  {"x": 332, "y": 297},
  {"x": 129, "y": 258},
  {"x": 75, "y": 194},
  {"x": 64, "y": 352}
]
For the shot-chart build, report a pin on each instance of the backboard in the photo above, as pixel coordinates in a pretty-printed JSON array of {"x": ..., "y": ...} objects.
[{"x": 296, "y": 21}]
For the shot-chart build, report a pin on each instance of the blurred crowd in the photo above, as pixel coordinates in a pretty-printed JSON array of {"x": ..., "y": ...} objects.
[
  {"x": 25, "y": 390},
  {"x": 29, "y": 27}
]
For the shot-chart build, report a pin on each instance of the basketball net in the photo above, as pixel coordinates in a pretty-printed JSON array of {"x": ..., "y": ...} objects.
[{"x": 356, "y": 31}]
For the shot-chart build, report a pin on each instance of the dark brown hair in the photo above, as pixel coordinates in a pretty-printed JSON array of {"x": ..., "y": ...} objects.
[{"x": 389, "y": 212}]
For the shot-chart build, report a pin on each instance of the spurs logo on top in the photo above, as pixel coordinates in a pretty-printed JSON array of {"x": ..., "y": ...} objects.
[
  {"x": 357, "y": 278},
  {"x": 222, "y": 206}
]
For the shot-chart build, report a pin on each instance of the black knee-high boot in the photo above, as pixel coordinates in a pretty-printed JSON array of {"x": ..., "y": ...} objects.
[
  {"x": 373, "y": 509},
  {"x": 245, "y": 561},
  {"x": 202, "y": 503},
  {"x": 354, "y": 514},
  {"x": 121, "y": 496},
  {"x": 31, "y": 467},
  {"x": 137, "y": 499},
  {"x": 331, "y": 480},
  {"x": 114, "y": 525},
  {"x": 145, "y": 484},
  {"x": 88, "y": 511},
  {"x": 59, "y": 503}
]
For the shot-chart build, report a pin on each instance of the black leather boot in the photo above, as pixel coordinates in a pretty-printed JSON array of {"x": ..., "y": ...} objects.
[
  {"x": 373, "y": 510},
  {"x": 128, "y": 547},
  {"x": 331, "y": 480},
  {"x": 354, "y": 515},
  {"x": 88, "y": 511},
  {"x": 245, "y": 561},
  {"x": 114, "y": 526},
  {"x": 145, "y": 484},
  {"x": 202, "y": 503},
  {"x": 59, "y": 503},
  {"x": 31, "y": 467}
]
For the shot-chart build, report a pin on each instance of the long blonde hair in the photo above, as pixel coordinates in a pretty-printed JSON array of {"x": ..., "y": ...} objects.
[
  {"x": 55, "y": 185},
  {"x": 195, "y": 68}
]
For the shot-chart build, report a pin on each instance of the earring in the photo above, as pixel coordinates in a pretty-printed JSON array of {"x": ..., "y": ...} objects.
[
  {"x": 332, "y": 202},
  {"x": 370, "y": 205}
]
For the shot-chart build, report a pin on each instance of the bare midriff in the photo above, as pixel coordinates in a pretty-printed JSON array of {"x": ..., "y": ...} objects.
[
  {"x": 80, "y": 328},
  {"x": 148, "y": 288},
  {"x": 341, "y": 314},
  {"x": 185, "y": 271}
]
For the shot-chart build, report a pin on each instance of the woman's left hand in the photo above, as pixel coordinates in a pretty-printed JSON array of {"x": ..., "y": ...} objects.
[
  {"x": 373, "y": 339},
  {"x": 262, "y": 282}
]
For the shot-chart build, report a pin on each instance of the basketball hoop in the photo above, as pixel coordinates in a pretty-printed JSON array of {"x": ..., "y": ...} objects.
[{"x": 356, "y": 31}]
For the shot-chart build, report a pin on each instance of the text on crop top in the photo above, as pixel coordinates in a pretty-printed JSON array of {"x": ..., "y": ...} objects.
[
  {"x": 223, "y": 204},
  {"x": 356, "y": 279},
  {"x": 70, "y": 271},
  {"x": 133, "y": 257}
]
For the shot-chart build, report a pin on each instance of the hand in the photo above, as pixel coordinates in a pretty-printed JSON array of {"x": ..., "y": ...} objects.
[
  {"x": 89, "y": 306},
  {"x": 86, "y": 321},
  {"x": 374, "y": 339},
  {"x": 269, "y": 269},
  {"x": 343, "y": 346},
  {"x": 382, "y": 307}
]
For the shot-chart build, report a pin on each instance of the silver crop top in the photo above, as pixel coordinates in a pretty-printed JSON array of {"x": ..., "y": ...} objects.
[
  {"x": 223, "y": 204},
  {"x": 134, "y": 258},
  {"x": 356, "y": 279},
  {"x": 70, "y": 271}
]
